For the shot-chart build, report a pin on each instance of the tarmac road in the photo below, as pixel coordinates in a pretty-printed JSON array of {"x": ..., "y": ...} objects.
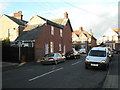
[{"x": 70, "y": 74}]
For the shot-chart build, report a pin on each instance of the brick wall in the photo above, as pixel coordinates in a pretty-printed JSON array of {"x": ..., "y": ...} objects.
[{"x": 45, "y": 37}]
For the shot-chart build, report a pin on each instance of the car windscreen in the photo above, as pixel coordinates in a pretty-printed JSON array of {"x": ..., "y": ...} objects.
[
  {"x": 49, "y": 55},
  {"x": 97, "y": 53}
]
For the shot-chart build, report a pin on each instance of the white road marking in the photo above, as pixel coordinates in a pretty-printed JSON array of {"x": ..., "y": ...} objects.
[
  {"x": 76, "y": 62},
  {"x": 45, "y": 74}
]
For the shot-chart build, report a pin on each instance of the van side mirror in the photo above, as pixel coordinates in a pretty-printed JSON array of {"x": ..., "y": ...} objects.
[{"x": 109, "y": 55}]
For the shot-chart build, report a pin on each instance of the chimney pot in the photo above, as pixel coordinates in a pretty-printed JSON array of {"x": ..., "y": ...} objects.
[{"x": 65, "y": 15}]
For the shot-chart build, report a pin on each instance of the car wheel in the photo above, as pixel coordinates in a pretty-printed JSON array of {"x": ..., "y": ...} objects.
[
  {"x": 56, "y": 62},
  {"x": 75, "y": 57}
]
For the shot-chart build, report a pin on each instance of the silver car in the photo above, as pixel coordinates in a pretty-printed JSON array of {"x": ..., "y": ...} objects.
[
  {"x": 52, "y": 58},
  {"x": 98, "y": 57}
]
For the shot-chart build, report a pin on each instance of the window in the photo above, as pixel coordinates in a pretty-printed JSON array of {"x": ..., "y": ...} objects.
[
  {"x": 51, "y": 47},
  {"x": 97, "y": 53},
  {"x": 26, "y": 45},
  {"x": 46, "y": 48},
  {"x": 89, "y": 40},
  {"x": 64, "y": 49},
  {"x": 52, "y": 30},
  {"x": 60, "y": 47},
  {"x": 61, "y": 32}
]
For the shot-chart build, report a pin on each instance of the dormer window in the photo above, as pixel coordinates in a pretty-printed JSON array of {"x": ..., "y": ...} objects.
[{"x": 52, "y": 30}]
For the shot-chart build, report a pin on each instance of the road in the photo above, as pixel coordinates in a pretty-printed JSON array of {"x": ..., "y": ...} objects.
[{"x": 70, "y": 74}]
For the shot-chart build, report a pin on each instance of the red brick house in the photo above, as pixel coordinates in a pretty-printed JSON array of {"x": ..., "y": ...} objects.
[
  {"x": 47, "y": 36},
  {"x": 83, "y": 39}
]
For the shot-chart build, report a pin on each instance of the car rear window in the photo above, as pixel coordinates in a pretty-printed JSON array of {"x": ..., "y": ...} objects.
[
  {"x": 49, "y": 55},
  {"x": 69, "y": 52},
  {"x": 97, "y": 53}
]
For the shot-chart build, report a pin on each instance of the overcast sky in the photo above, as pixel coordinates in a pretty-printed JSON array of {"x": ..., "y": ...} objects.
[{"x": 98, "y": 15}]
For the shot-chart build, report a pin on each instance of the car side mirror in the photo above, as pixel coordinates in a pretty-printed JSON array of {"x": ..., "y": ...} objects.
[{"x": 109, "y": 55}]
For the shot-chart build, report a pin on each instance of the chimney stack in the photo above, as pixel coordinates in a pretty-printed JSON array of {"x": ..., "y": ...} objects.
[
  {"x": 66, "y": 15},
  {"x": 18, "y": 15},
  {"x": 81, "y": 29}
]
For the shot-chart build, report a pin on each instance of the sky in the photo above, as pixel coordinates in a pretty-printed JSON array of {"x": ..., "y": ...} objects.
[{"x": 98, "y": 15}]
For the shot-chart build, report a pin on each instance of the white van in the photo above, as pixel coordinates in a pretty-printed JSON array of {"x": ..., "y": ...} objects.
[{"x": 98, "y": 57}]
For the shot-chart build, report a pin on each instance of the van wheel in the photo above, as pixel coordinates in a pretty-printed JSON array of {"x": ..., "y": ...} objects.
[
  {"x": 106, "y": 67},
  {"x": 86, "y": 67}
]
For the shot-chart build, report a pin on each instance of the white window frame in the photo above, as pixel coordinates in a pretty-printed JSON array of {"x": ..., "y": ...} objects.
[
  {"x": 46, "y": 48},
  {"x": 60, "y": 47},
  {"x": 52, "y": 30},
  {"x": 61, "y": 32},
  {"x": 51, "y": 47}
]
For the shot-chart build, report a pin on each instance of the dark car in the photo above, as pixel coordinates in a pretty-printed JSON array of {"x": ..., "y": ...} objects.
[
  {"x": 72, "y": 54},
  {"x": 115, "y": 51},
  {"x": 52, "y": 58}
]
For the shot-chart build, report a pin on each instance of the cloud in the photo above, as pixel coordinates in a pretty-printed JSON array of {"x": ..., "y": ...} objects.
[
  {"x": 3, "y": 6},
  {"x": 97, "y": 17}
]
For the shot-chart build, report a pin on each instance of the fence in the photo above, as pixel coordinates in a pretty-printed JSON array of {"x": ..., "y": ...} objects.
[{"x": 16, "y": 54}]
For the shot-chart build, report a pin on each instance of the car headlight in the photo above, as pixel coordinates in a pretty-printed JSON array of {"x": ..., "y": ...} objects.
[
  {"x": 103, "y": 61},
  {"x": 87, "y": 60}
]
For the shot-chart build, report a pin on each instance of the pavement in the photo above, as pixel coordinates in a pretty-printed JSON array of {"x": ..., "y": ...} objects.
[
  {"x": 10, "y": 64},
  {"x": 112, "y": 78}
]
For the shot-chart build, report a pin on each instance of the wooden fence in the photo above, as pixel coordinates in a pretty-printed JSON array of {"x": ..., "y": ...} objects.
[{"x": 16, "y": 54}]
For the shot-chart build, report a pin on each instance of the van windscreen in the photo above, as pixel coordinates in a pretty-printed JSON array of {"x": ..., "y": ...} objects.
[{"x": 97, "y": 53}]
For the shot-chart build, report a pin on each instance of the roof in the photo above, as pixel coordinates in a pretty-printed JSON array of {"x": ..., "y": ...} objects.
[
  {"x": 116, "y": 29},
  {"x": 29, "y": 35},
  {"x": 78, "y": 32},
  {"x": 30, "y": 27},
  {"x": 51, "y": 22},
  {"x": 18, "y": 21},
  {"x": 61, "y": 21},
  {"x": 99, "y": 48}
]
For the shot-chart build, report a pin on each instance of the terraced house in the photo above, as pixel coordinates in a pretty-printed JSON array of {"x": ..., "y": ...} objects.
[
  {"x": 83, "y": 39},
  {"x": 47, "y": 36}
]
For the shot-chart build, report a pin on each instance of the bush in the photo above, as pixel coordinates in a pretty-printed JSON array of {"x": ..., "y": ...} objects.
[{"x": 6, "y": 42}]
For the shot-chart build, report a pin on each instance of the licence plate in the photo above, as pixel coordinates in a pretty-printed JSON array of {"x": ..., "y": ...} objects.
[
  {"x": 94, "y": 65},
  {"x": 68, "y": 56},
  {"x": 45, "y": 58}
]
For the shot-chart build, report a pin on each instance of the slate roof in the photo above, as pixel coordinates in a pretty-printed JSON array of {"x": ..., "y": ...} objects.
[
  {"x": 30, "y": 27},
  {"x": 51, "y": 22},
  {"x": 19, "y": 22},
  {"x": 78, "y": 32},
  {"x": 29, "y": 35},
  {"x": 61, "y": 21}
]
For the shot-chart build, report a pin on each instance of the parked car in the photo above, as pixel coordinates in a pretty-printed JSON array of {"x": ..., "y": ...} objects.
[
  {"x": 98, "y": 57},
  {"x": 110, "y": 51},
  {"x": 115, "y": 51},
  {"x": 52, "y": 58},
  {"x": 72, "y": 54},
  {"x": 83, "y": 51}
]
